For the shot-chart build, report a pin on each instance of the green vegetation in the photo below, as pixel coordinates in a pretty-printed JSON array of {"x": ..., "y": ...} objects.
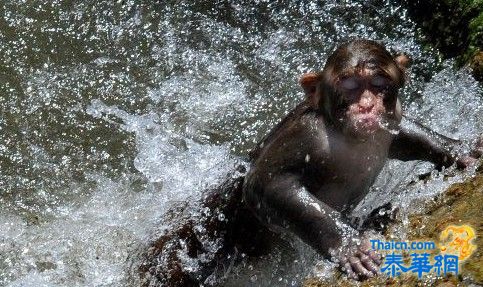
[{"x": 455, "y": 27}]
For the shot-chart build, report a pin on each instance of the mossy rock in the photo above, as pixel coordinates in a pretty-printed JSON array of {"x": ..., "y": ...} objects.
[
  {"x": 460, "y": 204},
  {"x": 403, "y": 281}
]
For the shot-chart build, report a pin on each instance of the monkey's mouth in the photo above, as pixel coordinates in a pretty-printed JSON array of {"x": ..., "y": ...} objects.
[{"x": 367, "y": 123}]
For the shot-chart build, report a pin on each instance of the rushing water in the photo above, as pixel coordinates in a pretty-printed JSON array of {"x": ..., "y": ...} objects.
[{"x": 113, "y": 111}]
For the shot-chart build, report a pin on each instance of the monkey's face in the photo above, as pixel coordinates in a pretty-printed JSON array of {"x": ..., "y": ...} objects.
[
  {"x": 366, "y": 103},
  {"x": 357, "y": 89}
]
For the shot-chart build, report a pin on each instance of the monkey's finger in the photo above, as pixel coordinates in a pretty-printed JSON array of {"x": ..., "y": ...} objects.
[
  {"x": 477, "y": 152},
  {"x": 350, "y": 273},
  {"x": 369, "y": 264},
  {"x": 376, "y": 257},
  {"x": 478, "y": 149},
  {"x": 466, "y": 161},
  {"x": 357, "y": 266},
  {"x": 370, "y": 259}
]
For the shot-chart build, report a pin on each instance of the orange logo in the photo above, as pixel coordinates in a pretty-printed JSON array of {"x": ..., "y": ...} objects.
[{"x": 456, "y": 240}]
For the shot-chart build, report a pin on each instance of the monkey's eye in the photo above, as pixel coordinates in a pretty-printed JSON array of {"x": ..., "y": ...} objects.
[
  {"x": 379, "y": 82},
  {"x": 350, "y": 83}
]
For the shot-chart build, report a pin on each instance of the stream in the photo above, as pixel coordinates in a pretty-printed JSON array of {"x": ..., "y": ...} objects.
[{"x": 111, "y": 112}]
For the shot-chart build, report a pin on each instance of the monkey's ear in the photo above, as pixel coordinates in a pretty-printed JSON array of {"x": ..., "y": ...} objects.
[
  {"x": 309, "y": 82},
  {"x": 403, "y": 61}
]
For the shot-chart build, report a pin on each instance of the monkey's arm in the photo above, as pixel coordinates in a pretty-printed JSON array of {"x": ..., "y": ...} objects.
[
  {"x": 284, "y": 202},
  {"x": 417, "y": 142}
]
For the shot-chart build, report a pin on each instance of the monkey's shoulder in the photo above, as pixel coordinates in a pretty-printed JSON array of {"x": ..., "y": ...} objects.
[
  {"x": 292, "y": 131},
  {"x": 296, "y": 146},
  {"x": 275, "y": 131}
]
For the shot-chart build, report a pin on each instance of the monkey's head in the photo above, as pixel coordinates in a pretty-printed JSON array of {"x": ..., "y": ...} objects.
[{"x": 357, "y": 91}]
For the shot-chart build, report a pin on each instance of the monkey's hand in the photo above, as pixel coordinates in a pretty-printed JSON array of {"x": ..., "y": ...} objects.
[
  {"x": 358, "y": 260},
  {"x": 472, "y": 158}
]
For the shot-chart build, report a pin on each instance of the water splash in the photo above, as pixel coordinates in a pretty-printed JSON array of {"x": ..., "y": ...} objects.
[{"x": 111, "y": 112}]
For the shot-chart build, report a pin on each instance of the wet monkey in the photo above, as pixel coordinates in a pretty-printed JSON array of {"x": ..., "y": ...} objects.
[
  {"x": 311, "y": 169},
  {"x": 321, "y": 160}
]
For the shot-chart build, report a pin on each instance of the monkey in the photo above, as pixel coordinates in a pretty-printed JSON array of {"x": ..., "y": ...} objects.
[
  {"x": 308, "y": 173},
  {"x": 311, "y": 170}
]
